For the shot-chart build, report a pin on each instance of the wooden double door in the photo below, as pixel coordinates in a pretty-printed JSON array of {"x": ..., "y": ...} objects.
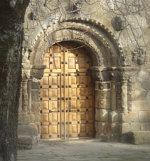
[{"x": 66, "y": 94}]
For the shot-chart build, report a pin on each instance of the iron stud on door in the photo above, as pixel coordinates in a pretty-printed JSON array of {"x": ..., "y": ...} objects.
[{"x": 64, "y": 88}]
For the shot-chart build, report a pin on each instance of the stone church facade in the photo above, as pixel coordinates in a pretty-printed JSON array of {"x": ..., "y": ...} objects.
[{"x": 118, "y": 70}]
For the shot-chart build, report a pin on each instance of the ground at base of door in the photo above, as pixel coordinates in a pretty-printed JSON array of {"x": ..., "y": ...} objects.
[{"x": 85, "y": 150}]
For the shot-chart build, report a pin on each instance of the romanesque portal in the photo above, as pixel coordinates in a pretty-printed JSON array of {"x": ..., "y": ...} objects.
[{"x": 82, "y": 90}]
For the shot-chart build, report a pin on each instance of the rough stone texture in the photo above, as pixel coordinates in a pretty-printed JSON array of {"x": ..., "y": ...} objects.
[
  {"x": 120, "y": 71},
  {"x": 137, "y": 137},
  {"x": 131, "y": 117},
  {"x": 37, "y": 71},
  {"x": 28, "y": 130},
  {"x": 24, "y": 142},
  {"x": 11, "y": 36},
  {"x": 122, "y": 74}
]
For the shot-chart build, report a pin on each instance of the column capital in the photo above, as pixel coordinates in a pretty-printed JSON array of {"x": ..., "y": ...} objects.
[
  {"x": 37, "y": 71},
  {"x": 96, "y": 73}
]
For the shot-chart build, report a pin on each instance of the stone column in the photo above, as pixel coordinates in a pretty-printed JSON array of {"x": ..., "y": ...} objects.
[
  {"x": 20, "y": 100},
  {"x": 113, "y": 95},
  {"x": 34, "y": 86},
  {"x": 29, "y": 95},
  {"x": 26, "y": 67},
  {"x": 24, "y": 96},
  {"x": 23, "y": 117},
  {"x": 102, "y": 103},
  {"x": 124, "y": 94},
  {"x": 28, "y": 130},
  {"x": 101, "y": 113},
  {"x": 113, "y": 113},
  {"x": 130, "y": 94},
  {"x": 126, "y": 115}
]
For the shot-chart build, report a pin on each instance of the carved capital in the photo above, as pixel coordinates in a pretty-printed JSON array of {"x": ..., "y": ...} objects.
[
  {"x": 124, "y": 75},
  {"x": 96, "y": 73},
  {"x": 37, "y": 71}
]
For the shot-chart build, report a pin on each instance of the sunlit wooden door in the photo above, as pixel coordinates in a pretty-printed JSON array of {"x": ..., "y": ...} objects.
[{"x": 67, "y": 109}]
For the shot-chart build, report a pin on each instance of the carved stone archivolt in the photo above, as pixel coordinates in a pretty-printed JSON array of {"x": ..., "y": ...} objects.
[{"x": 93, "y": 35}]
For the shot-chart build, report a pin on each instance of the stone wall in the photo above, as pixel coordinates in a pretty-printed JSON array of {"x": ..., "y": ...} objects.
[
  {"x": 138, "y": 118},
  {"x": 122, "y": 96}
]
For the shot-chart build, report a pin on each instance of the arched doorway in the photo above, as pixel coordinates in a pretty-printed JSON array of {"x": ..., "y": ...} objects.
[
  {"x": 109, "y": 76},
  {"x": 67, "y": 105}
]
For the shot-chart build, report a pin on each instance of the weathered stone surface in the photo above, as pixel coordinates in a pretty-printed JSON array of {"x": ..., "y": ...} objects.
[
  {"x": 137, "y": 137},
  {"x": 35, "y": 107},
  {"x": 118, "y": 23},
  {"x": 101, "y": 115},
  {"x": 146, "y": 126},
  {"x": 24, "y": 142},
  {"x": 101, "y": 94},
  {"x": 35, "y": 85},
  {"x": 32, "y": 117},
  {"x": 102, "y": 129},
  {"x": 28, "y": 130},
  {"x": 138, "y": 56},
  {"x": 35, "y": 95},
  {"x": 121, "y": 86},
  {"x": 139, "y": 95},
  {"x": 129, "y": 117},
  {"x": 115, "y": 131},
  {"x": 103, "y": 103},
  {"x": 37, "y": 71},
  {"x": 140, "y": 105},
  {"x": 127, "y": 127},
  {"x": 24, "y": 118},
  {"x": 144, "y": 116},
  {"x": 28, "y": 135},
  {"x": 113, "y": 116}
]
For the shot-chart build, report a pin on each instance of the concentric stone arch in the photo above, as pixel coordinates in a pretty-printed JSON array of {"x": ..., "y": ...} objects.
[{"x": 104, "y": 49}]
